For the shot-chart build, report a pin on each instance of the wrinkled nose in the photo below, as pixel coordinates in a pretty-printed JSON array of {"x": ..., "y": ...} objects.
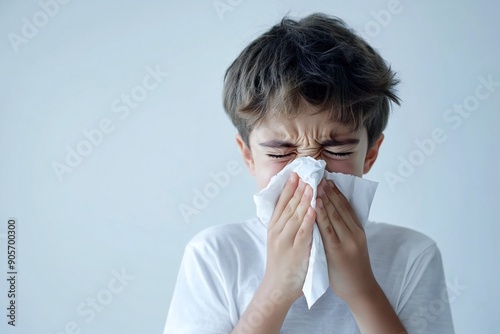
[{"x": 309, "y": 152}]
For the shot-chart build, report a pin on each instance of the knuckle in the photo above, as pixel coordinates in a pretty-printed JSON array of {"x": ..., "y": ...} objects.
[
  {"x": 288, "y": 208},
  {"x": 302, "y": 207},
  {"x": 329, "y": 229},
  {"x": 301, "y": 233},
  {"x": 342, "y": 204},
  {"x": 334, "y": 245},
  {"x": 295, "y": 217}
]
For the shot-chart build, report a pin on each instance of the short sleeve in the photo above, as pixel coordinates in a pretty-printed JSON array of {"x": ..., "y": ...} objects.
[
  {"x": 427, "y": 307},
  {"x": 199, "y": 304}
]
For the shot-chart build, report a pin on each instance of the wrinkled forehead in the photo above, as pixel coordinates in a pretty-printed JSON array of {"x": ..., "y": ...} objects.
[
  {"x": 302, "y": 111},
  {"x": 318, "y": 125}
]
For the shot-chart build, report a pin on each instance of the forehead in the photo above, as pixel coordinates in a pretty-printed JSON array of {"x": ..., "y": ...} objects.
[{"x": 310, "y": 124}]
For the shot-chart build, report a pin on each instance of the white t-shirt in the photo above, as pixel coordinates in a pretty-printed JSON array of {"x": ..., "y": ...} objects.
[{"x": 224, "y": 264}]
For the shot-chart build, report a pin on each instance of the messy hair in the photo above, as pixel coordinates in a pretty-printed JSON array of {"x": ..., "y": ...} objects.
[{"x": 319, "y": 61}]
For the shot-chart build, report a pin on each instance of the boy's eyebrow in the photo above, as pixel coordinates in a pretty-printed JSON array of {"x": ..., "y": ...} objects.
[
  {"x": 341, "y": 142},
  {"x": 275, "y": 143}
]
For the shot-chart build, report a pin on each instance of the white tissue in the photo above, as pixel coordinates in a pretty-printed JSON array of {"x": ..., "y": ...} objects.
[{"x": 358, "y": 191}]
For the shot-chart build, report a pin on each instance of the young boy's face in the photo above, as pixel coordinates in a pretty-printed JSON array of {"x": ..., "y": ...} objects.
[{"x": 277, "y": 141}]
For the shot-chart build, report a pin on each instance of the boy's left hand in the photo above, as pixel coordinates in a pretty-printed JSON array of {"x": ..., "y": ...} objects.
[{"x": 344, "y": 239}]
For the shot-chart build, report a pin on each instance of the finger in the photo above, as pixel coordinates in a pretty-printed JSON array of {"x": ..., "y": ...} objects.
[
  {"x": 345, "y": 209},
  {"x": 328, "y": 234},
  {"x": 286, "y": 195},
  {"x": 304, "y": 234},
  {"x": 342, "y": 206},
  {"x": 296, "y": 219},
  {"x": 334, "y": 217},
  {"x": 290, "y": 207}
]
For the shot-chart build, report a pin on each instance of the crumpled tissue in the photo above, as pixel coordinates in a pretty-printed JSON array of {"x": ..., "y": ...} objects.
[{"x": 358, "y": 191}]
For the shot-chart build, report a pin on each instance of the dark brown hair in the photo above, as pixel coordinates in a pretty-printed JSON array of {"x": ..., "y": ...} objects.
[{"x": 317, "y": 60}]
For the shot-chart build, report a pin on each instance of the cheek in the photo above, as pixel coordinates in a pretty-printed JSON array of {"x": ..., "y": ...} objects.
[
  {"x": 267, "y": 171},
  {"x": 352, "y": 166}
]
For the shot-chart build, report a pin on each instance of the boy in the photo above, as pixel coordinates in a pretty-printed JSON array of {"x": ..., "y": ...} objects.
[{"x": 309, "y": 88}]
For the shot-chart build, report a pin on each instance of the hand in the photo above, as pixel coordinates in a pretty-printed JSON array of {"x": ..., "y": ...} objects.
[
  {"x": 289, "y": 239},
  {"x": 344, "y": 239}
]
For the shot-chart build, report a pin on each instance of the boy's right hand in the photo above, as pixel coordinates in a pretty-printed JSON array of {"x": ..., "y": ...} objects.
[{"x": 289, "y": 239}]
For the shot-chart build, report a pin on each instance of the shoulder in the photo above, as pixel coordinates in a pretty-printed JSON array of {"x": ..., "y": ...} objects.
[
  {"x": 232, "y": 252},
  {"x": 400, "y": 240},
  {"x": 249, "y": 233}
]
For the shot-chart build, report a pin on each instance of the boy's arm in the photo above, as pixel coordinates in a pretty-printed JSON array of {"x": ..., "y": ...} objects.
[
  {"x": 426, "y": 304},
  {"x": 349, "y": 268},
  {"x": 288, "y": 248},
  {"x": 266, "y": 312},
  {"x": 374, "y": 314}
]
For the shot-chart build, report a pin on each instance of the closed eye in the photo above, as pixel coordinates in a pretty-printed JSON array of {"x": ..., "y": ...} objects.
[
  {"x": 279, "y": 156},
  {"x": 339, "y": 154}
]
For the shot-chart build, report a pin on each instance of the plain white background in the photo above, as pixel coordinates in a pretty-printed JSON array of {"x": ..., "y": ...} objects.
[{"x": 118, "y": 209}]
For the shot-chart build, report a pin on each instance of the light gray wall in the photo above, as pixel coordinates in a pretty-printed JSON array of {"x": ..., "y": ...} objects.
[{"x": 119, "y": 207}]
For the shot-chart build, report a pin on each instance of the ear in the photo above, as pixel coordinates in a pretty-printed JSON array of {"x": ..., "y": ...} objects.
[
  {"x": 246, "y": 154},
  {"x": 372, "y": 154}
]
